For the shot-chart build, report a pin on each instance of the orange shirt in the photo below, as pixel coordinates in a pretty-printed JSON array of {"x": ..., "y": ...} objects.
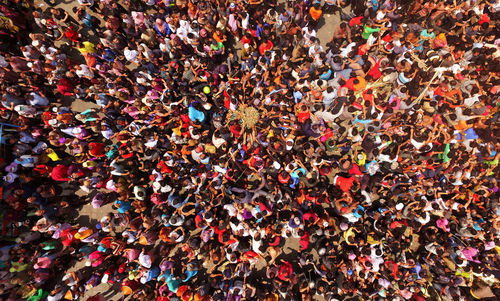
[
  {"x": 217, "y": 37},
  {"x": 315, "y": 13},
  {"x": 361, "y": 85}
]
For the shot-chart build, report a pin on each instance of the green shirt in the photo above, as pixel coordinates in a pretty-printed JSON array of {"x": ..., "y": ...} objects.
[
  {"x": 444, "y": 155},
  {"x": 49, "y": 245},
  {"x": 426, "y": 34},
  {"x": 367, "y": 31},
  {"x": 217, "y": 47}
]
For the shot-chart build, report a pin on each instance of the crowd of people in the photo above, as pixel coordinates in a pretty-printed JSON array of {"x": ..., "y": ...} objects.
[{"x": 241, "y": 158}]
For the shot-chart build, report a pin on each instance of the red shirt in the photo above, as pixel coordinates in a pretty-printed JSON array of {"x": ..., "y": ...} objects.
[
  {"x": 65, "y": 87},
  {"x": 245, "y": 40},
  {"x": 265, "y": 46},
  {"x": 235, "y": 129},
  {"x": 68, "y": 236},
  {"x": 285, "y": 271},
  {"x": 71, "y": 34},
  {"x": 60, "y": 173},
  {"x": 308, "y": 215},
  {"x": 355, "y": 170},
  {"x": 96, "y": 149},
  {"x": 303, "y": 116},
  {"x": 349, "y": 84},
  {"x": 304, "y": 241},
  {"x": 355, "y": 21},
  {"x": 344, "y": 184},
  {"x": 283, "y": 180}
]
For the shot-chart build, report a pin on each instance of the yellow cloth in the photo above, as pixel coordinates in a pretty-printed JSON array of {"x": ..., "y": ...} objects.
[
  {"x": 210, "y": 149},
  {"x": 371, "y": 241},
  {"x": 348, "y": 233},
  {"x": 17, "y": 267},
  {"x": 362, "y": 161},
  {"x": 53, "y": 155},
  {"x": 177, "y": 131},
  {"x": 87, "y": 47}
]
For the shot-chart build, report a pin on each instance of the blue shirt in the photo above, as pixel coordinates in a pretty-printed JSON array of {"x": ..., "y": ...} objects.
[
  {"x": 194, "y": 114},
  {"x": 124, "y": 206},
  {"x": 167, "y": 29},
  {"x": 470, "y": 134}
]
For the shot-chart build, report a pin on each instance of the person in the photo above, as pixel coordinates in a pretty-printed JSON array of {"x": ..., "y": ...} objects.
[
  {"x": 363, "y": 168},
  {"x": 315, "y": 13}
]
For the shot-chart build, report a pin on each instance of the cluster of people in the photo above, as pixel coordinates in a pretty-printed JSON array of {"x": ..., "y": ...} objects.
[{"x": 236, "y": 157}]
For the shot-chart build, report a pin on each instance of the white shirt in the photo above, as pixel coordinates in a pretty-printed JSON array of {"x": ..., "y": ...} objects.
[
  {"x": 84, "y": 72},
  {"x": 131, "y": 55},
  {"x": 55, "y": 297},
  {"x": 145, "y": 260},
  {"x": 346, "y": 50},
  {"x": 230, "y": 209},
  {"x": 107, "y": 133},
  {"x": 471, "y": 100},
  {"x": 38, "y": 100}
]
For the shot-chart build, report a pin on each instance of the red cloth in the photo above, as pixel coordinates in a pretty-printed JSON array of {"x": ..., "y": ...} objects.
[
  {"x": 71, "y": 34},
  {"x": 308, "y": 215},
  {"x": 283, "y": 180},
  {"x": 344, "y": 184},
  {"x": 484, "y": 19},
  {"x": 163, "y": 167},
  {"x": 368, "y": 97},
  {"x": 349, "y": 84},
  {"x": 198, "y": 221},
  {"x": 276, "y": 241},
  {"x": 251, "y": 255},
  {"x": 355, "y": 21},
  {"x": 303, "y": 116},
  {"x": 304, "y": 241},
  {"x": 65, "y": 87},
  {"x": 235, "y": 129},
  {"x": 265, "y": 46},
  {"x": 245, "y": 40},
  {"x": 355, "y": 170},
  {"x": 285, "y": 271},
  {"x": 42, "y": 169},
  {"x": 60, "y": 173},
  {"x": 96, "y": 149},
  {"x": 68, "y": 236}
]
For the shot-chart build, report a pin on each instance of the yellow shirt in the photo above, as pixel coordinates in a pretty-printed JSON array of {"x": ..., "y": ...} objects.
[
  {"x": 348, "y": 233},
  {"x": 87, "y": 47},
  {"x": 53, "y": 155},
  {"x": 371, "y": 241}
]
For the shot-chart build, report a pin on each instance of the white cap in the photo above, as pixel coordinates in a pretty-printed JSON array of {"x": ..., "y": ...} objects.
[{"x": 400, "y": 206}]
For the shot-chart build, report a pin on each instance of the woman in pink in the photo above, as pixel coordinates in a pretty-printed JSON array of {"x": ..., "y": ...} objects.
[{"x": 138, "y": 18}]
